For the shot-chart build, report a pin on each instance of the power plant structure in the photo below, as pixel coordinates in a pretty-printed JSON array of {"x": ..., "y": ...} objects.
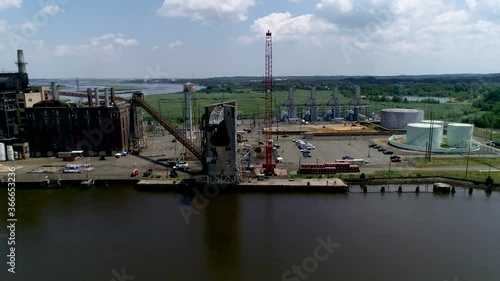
[
  {"x": 36, "y": 123},
  {"x": 358, "y": 104},
  {"x": 336, "y": 104},
  {"x": 333, "y": 110},
  {"x": 312, "y": 105},
  {"x": 291, "y": 107},
  {"x": 99, "y": 127},
  {"x": 220, "y": 143}
]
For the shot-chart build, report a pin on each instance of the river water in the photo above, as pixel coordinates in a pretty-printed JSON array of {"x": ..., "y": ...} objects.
[{"x": 122, "y": 234}]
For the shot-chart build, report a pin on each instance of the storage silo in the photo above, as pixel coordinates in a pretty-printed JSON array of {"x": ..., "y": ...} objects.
[
  {"x": 3, "y": 156},
  {"x": 459, "y": 134},
  {"x": 10, "y": 152},
  {"x": 398, "y": 118},
  {"x": 417, "y": 134},
  {"x": 435, "y": 122}
]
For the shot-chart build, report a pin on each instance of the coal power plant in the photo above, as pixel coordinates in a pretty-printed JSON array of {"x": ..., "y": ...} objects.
[{"x": 39, "y": 124}]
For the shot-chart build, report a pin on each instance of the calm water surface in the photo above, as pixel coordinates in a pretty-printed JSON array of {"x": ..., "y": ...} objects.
[{"x": 91, "y": 235}]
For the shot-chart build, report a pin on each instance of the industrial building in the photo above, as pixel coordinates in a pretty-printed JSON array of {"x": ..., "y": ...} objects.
[
  {"x": 37, "y": 116},
  {"x": 220, "y": 146},
  {"x": 98, "y": 128}
]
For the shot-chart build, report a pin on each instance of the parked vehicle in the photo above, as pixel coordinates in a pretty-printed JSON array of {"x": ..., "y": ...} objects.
[
  {"x": 396, "y": 160},
  {"x": 381, "y": 149},
  {"x": 394, "y": 156},
  {"x": 347, "y": 158},
  {"x": 372, "y": 145},
  {"x": 181, "y": 166},
  {"x": 387, "y": 152},
  {"x": 72, "y": 168},
  {"x": 134, "y": 173}
]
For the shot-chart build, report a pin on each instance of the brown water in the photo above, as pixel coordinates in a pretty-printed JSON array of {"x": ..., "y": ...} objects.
[{"x": 121, "y": 234}]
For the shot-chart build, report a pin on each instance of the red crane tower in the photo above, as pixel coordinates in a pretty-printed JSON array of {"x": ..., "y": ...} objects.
[{"x": 269, "y": 165}]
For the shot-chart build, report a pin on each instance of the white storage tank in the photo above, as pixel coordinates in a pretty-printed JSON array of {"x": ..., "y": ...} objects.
[
  {"x": 3, "y": 156},
  {"x": 417, "y": 134},
  {"x": 459, "y": 134},
  {"x": 10, "y": 152},
  {"x": 435, "y": 122},
  {"x": 399, "y": 118}
]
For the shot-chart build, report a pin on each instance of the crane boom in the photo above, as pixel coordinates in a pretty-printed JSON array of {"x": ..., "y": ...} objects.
[{"x": 269, "y": 165}]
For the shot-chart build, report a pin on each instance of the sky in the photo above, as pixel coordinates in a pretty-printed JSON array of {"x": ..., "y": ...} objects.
[{"x": 217, "y": 38}]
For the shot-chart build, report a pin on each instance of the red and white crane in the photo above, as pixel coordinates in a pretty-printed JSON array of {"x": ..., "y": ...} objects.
[{"x": 269, "y": 165}]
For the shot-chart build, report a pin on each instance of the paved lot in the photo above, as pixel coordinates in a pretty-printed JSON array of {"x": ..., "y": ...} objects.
[{"x": 328, "y": 149}]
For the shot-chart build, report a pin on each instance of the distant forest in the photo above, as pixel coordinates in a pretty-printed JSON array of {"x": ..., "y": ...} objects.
[{"x": 481, "y": 90}]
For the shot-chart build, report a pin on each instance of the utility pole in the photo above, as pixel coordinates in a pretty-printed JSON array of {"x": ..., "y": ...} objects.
[{"x": 467, "y": 165}]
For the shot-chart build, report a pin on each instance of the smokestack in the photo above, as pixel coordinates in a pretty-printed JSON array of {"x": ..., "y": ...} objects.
[
  {"x": 55, "y": 95},
  {"x": 89, "y": 96},
  {"x": 112, "y": 96},
  {"x": 96, "y": 92},
  {"x": 335, "y": 92},
  {"x": 106, "y": 97},
  {"x": 290, "y": 94},
  {"x": 21, "y": 64},
  {"x": 313, "y": 93},
  {"x": 357, "y": 92}
]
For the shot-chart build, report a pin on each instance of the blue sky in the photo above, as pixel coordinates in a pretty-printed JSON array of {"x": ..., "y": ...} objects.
[{"x": 213, "y": 38}]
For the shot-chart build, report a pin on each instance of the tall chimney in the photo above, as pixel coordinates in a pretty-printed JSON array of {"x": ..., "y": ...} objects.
[
  {"x": 357, "y": 92},
  {"x": 55, "y": 95},
  {"x": 21, "y": 64},
  {"x": 106, "y": 96},
  {"x": 96, "y": 92},
  {"x": 112, "y": 96},
  {"x": 335, "y": 92},
  {"x": 89, "y": 96}
]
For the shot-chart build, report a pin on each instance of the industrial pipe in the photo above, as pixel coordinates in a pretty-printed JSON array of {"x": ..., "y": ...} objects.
[
  {"x": 55, "y": 95},
  {"x": 89, "y": 96},
  {"x": 96, "y": 93}
]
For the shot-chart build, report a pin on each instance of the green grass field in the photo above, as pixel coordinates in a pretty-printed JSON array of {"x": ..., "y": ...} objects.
[{"x": 251, "y": 102}]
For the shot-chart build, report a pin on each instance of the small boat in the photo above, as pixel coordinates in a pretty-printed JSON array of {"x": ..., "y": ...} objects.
[
  {"x": 87, "y": 183},
  {"x": 440, "y": 187},
  {"x": 52, "y": 183}
]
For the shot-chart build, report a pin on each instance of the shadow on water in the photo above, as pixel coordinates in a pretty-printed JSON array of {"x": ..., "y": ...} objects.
[{"x": 222, "y": 237}]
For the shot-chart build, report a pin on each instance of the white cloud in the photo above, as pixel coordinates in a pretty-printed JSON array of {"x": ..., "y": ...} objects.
[
  {"x": 155, "y": 48},
  {"x": 109, "y": 44},
  {"x": 4, "y": 26},
  {"x": 452, "y": 17},
  {"x": 471, "y": 3},
  {"x": 5, "y": 4},
  {"x": 207, "y": 11},
  {"x": 29, "y": 26},
  {"x": 175, "y": 44},
  {"x": 125, "y": 42},
  {"x": 52, "y": 10},
  {"x": 388, "y": 27},
  {"x": 344, "y": 6},
  {"x": 285, "y": 27}
]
